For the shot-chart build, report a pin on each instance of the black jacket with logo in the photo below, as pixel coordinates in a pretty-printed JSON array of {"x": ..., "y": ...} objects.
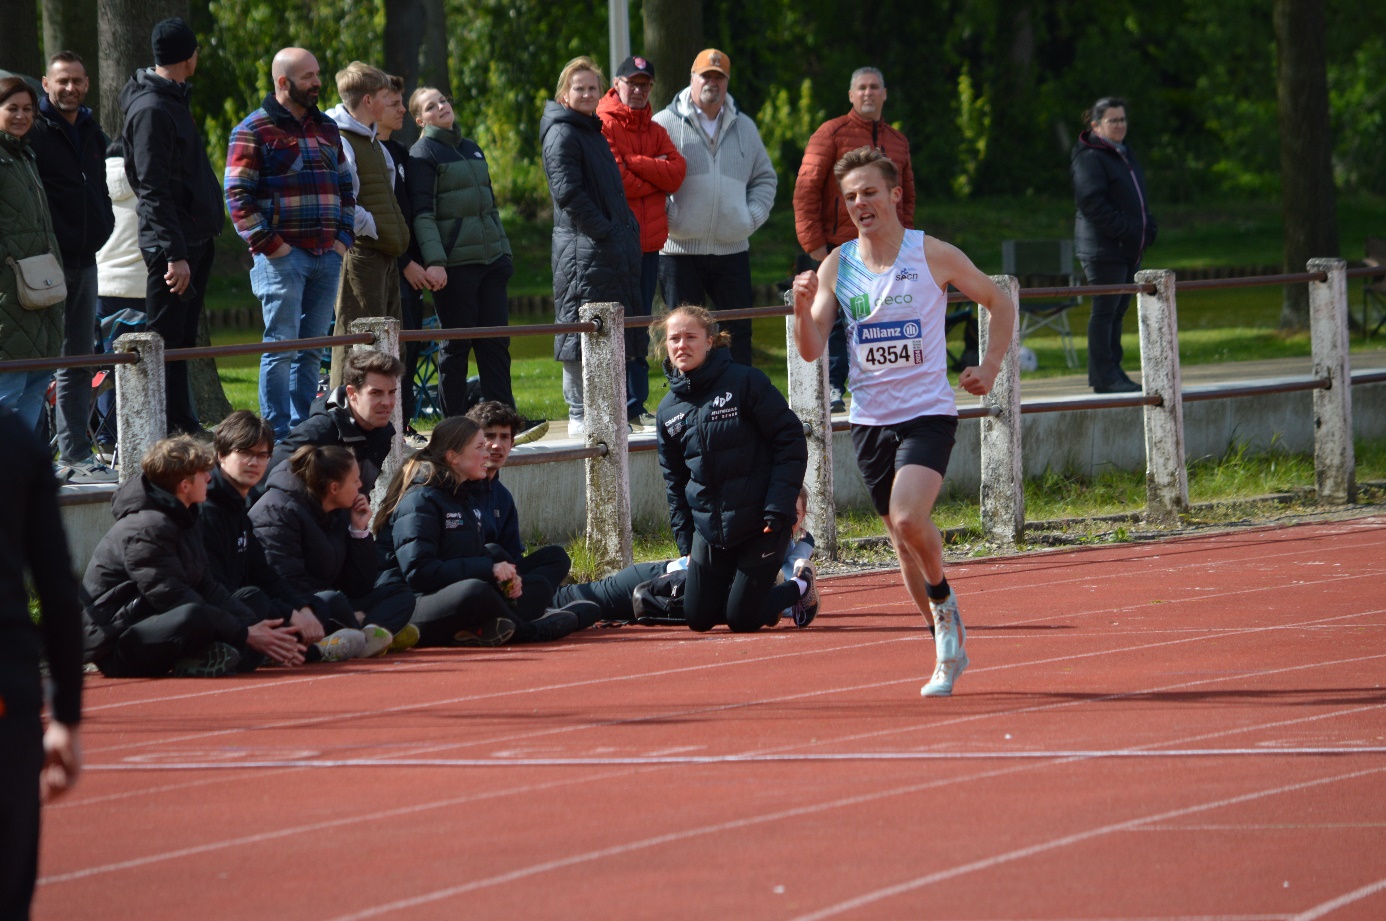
[
  {"x": 435, "y": 538},
  {"x": 732, "y": 451},
  {"x": 74, "y": 179}
]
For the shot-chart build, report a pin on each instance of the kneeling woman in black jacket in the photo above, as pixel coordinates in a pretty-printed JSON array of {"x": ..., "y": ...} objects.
[
  {"x": 734, "y": 456},
  {"x": 313, "y": 523},
  {"x": 468, "y": 592}
]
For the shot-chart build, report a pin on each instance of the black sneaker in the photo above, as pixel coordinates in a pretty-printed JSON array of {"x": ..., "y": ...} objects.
[
  {"x": 492, "y": 633},
  {"x": 554, "y": 625},
  {"x": 588, "y": 612},
  {"x": 216, "y": 661}
]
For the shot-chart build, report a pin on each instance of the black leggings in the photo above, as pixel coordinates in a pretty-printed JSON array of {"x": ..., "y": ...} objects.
[
  {"x": 614, "y": 593},
  {"x": 736, "y": 585},
  {"x": 150, "y": 647},
  {"x": 468, "y": 604}
]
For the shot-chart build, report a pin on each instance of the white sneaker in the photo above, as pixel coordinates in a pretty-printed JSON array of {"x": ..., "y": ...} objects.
[
  {"x": 577, "y": 428},
  {"x": 378, "y": 641},
  {"x": 342, "y": 645},
  {"x": 806, "y": 609},
  {"x": 950, "y": 647}
]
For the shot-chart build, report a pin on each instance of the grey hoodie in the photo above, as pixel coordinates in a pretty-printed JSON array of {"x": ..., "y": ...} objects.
[{"x": 730, "y": 186}]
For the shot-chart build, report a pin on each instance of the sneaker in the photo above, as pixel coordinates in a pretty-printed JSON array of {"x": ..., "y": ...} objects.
[
  {"x": 378, "y": 641},
  {"x": 92, "y": 471},
  {"x": 406, "y": 638},
  {"x": 531, "y": 430},
  {"x": 950, "y": 647},
  {"x": 645, "y": 422},
  {"x": 554, "y": 625},
  {"x": 806, "y": 608},
  {"x": 492, "y": 633},
  {"x": 342, "y": 645},
  {"x": 587, "y": 612},
  {"x": 216, "y": 661},
  {"x": 414, "y": 440},
  {"x": 835, "y": 402},
  {"x": 576, "y": 428}
]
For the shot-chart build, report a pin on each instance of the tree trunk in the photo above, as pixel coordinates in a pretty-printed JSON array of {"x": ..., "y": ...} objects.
[
  {"x": 70, "y": 25},
  {"x": 1306, "y": 167},
  {"x": 123, "y": 28},
  {"x": 208, "y": 395},
  {"x": 19, "y": 40},
  {"x": 433, "y": 65},
  {"x": 673, "y": 38},
  {"x": 404, "y": 31}
]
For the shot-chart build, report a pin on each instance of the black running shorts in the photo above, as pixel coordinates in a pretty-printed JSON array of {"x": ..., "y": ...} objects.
[{"x": 924, "y": 441}]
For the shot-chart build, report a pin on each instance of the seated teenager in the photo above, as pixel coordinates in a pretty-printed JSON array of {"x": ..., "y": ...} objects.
[
  {"x": 500, "y": 520},
  {"x": 242, "y": 445},
  {"x": 313, "y": 522},
  {"x": 469, "y": 593},
  {"x": 355, "y": 416},
  {"x": 151, "y": 602}
]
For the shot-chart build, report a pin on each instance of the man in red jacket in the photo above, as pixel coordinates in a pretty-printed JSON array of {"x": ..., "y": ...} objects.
[
  {"x": 651, "y": 169},
  {"x": 820, "y": 215}
]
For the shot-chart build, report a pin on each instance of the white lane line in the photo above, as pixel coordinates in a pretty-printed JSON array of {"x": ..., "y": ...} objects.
[
  {"x": 1342, "y": 901},
  {"x": 734, "y": 759},
  {"x": 1063, "y": 841}
]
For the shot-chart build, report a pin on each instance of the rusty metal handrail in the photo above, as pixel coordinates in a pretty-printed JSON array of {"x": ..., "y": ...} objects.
[
  {"x": 494, "y": 332},
  {"x": 260, "y": 348}
]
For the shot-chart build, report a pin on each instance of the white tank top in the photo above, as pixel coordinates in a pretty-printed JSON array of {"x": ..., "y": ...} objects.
[{"x": 895, "y": 336}]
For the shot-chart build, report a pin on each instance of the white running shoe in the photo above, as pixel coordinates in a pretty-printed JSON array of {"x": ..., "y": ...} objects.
[
  {"x": 378, "y": 641},
  {"x": 342, "y": 645},
  {"x": 950, "y": 647}
]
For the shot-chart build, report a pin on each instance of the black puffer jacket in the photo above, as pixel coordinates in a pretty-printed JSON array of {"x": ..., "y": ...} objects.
[
  {"x": 150, "y": 562},
  {"x": 312, "y": 550},
  {"x": 74, "y": 178},
  {"x": 1114, "y": 220},
  {"x": 732, "y": 450},
  {"x": 330, "y": 422},
  {"x": 234, "y": 553},
  {"x": 596, "y": 241},
  {"x": 179, "y": 198},
  {"x": 434, "y": 538}
]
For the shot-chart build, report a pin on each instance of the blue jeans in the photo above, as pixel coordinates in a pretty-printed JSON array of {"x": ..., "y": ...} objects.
[
  {"x": 298, "y": 293},
  {"x": 74, "y": 384},
  {"x": 23, "y": 392}
]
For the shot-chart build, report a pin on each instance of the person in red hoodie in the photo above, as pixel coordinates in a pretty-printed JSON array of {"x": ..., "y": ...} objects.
[{"x": 651, "y": 169}]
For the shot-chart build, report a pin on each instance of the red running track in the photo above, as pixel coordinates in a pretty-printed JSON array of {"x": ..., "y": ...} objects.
[{"x": 1188, "y": 729}]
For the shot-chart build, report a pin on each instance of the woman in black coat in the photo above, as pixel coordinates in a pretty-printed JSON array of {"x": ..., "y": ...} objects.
[
  {"x": 733, "y": 455},
  {"x": 468, "y": 592},
  {"x": 1113, "y": 229},
  {"x": 596, "y": 241},
  {"x": 313, "y": 523}
]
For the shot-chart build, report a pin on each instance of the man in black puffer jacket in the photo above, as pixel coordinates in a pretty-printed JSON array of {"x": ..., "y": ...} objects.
[
  {"x": 151, "y": 603},
  {"x": 734, "y": 456}
]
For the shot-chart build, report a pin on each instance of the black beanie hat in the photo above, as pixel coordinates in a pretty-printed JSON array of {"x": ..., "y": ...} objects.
[{"x": 173, "y": 42}]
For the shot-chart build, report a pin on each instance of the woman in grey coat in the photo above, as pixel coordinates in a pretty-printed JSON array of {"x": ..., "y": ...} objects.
[{"x": 596, "y": 241}]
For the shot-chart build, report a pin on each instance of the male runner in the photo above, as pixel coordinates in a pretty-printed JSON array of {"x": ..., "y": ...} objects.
[{"x": 891, "y": 284}]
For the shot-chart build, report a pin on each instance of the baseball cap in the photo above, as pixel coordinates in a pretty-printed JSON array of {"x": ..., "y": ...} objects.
[
  {"x": 712, "y": 59},
  {"x": 636, "y": 65}
]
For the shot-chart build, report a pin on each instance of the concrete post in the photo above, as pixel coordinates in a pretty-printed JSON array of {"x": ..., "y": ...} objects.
[
  {"x": 810, "y": 400},
  {"x": 1335, "y": 463},
  {"x": 386, "y": 333},
  {"x": 1166, "y": 478},
  {"x": 604, "y": 417},
  {"x": 1003, "y": 476},
  {"x": 141, "y": 400}
]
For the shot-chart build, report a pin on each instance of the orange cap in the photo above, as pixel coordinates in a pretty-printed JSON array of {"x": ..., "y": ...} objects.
[{"x": 712, "y": 59}]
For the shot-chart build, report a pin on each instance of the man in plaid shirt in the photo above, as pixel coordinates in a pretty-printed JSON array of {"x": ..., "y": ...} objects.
[{"x": 288, "y": 185}]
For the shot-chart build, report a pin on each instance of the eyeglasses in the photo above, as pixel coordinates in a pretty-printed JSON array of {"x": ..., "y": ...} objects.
[
  {"x": 261, "y": 456},
  {"x": 1114, "y": 121},
  {"x": 644, "y": 86}
]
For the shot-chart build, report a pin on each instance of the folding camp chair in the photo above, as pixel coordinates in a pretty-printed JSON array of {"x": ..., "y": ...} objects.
[
  {"x": 1374, "y": 289},
  {"x": 1053, "y": 260}
]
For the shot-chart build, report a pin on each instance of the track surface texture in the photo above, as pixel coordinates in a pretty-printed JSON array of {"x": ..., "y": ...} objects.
[{"x": 1194, "y": 728}]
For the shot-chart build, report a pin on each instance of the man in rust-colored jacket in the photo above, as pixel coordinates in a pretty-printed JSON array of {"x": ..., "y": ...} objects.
[
  {"x": 651, "y": 170},
  {"x": 820, "y": 215}
]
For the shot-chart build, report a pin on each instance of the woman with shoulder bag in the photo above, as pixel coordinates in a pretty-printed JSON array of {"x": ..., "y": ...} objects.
[{"x": 31, "y": 276}]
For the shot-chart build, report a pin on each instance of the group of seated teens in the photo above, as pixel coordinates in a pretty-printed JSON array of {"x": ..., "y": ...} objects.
[{"x": 229, "y": 557}]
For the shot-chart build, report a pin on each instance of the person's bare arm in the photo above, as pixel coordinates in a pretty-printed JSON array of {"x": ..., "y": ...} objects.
[
  {"x": 950, "y": 265},
  {"x": 815, "y": 307}
]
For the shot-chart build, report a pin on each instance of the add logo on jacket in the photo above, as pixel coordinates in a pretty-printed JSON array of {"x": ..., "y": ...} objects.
[{"x": 723, "y": 408}]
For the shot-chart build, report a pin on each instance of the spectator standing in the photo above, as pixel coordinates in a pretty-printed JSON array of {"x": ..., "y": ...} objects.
[
  {"x": 370, "y": 271},
  {"x": 596, "y": 240},
  {"x": 25, "y": 231},
  {"x": 459, "y": 231},
  {"x": 120, "y": 271},
  {"x": 71, "y": 151},
  {"x": 37, "y": 764},
  {"x": 727, "y": 195},
  {"x": 1111, "y": 232},
  {"x": 413, "y": 276},
  {"x": 290, "y": 191},
  {"x": 652, "y": 169},
  {"x": 820, "y": 214},
  {"x": 178, "y": 200}
]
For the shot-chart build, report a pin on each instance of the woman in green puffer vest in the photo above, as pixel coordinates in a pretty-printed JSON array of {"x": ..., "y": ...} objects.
[
  {"x": 25, "y": 230},
  {"x": 457, "y": 227}
]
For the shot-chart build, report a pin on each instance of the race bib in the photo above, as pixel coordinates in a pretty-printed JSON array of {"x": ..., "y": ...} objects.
[{"x": 889, "y": 345}]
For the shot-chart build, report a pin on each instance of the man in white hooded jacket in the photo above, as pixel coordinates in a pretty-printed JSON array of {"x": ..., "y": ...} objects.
[{"x": 726, "y": 195}]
